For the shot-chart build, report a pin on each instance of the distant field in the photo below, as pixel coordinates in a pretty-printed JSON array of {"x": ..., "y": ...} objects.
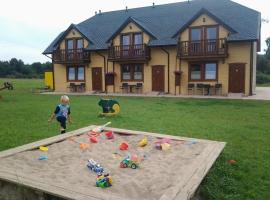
[{"x": 244, "y": 125}]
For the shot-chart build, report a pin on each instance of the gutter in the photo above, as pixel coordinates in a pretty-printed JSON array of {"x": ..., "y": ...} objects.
[
  {"x": 168, "y": 73},
  {"x": 251, "y": 69},
  {"x": 104, "y": 60}
]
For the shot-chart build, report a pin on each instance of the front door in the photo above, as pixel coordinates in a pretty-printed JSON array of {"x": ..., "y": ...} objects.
[
  {"x": 97, "y": 78},
  {"x": 158, "y": 78},
  {"x": 237, "y": 78}
]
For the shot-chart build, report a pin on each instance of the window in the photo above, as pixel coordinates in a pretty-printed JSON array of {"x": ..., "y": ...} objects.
[
  {"x": 75, "y": 73},
  {"x": 211, "y": 33},
  {"x": 80, "y": 73},
  {"x": 76, "y": 43},
  {"x": 203, "y": 72},
  {"x": 79, "y": 43},
  {"x": 126, "y": 75},
  {"x": 132, "y": 72},
  {"x": 196, "y": 34},
  {"x": 70, "y": 44},
  {"x": 138, "y": 39},
  {"x": 138, "y": 72},
  {"x": 210, "y": 71},
  {"x": 71, "y": 73},
  {"x": 195, "y": 72}
]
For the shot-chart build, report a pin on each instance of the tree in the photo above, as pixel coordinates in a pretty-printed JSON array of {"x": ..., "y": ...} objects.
[
  {"x": 267, "y": 52},
  {"x": 263, "y": 64}
]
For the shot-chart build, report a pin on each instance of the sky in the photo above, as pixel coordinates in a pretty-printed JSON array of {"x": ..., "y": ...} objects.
[{"x": 27, "y": 27}]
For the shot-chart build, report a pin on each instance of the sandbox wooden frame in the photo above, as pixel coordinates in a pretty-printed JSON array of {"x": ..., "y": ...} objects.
[{"x": 184, "y": 189}]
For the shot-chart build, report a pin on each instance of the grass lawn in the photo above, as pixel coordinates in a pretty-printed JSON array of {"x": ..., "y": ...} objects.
[
  {"x": 263, "y": 85},
  {"x": 244, "y": 125}
]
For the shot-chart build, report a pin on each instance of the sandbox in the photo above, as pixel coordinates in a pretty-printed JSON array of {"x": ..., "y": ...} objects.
[{"x": 172, "y": 174}]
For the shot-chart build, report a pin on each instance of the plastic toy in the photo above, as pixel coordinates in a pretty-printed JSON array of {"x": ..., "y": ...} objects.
[
  {"x": 165, "y": 146},
  {"x": 7, "y": 85},
  {"x": 110, "y": 107},
  {"x": 99, "y": 129},
  {"x": 191, "y": 142},
  {"x": 162, "y": 146},
  {"x": 232, "y": 162},
  {"x": 84, "y": 146},
  {"x": 104, "y": 181},
  {"x": 109, "y": 135},
  {"x": 95, "y": 167},
  {"x": 43, "y": 158},
  {"x": 143, "y": 142},
  {"x": 123, "y": 146},
  {"x": 93, "y": 139},
  {"x": 42, "y": 148},
  {"x": 127, "y": 162}
]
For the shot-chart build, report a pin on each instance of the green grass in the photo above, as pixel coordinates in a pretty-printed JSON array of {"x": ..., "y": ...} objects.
[
  {"x": 263, "y": 85},
  {"x": 244, "y": 125}
]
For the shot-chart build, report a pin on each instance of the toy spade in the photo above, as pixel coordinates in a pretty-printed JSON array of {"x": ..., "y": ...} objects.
[{"x": 99, "y": 129}]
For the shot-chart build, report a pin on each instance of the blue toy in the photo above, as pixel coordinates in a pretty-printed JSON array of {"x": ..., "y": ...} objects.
[{"x": 95, "y": 167}]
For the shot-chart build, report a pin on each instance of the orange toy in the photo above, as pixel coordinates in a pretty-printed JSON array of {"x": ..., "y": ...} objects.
[
  {"x": 84, "y": 146},
  {"x": 93, "y": 139},
  {"x": 123, "y": 146}
]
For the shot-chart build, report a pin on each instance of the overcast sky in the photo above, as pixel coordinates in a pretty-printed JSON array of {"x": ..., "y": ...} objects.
[{"x": 28, "y": 26}]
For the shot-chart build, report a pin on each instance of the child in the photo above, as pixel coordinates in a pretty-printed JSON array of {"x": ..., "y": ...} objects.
[{"x": 62, "y": 113}]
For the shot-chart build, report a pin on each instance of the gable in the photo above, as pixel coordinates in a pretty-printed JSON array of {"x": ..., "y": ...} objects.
[
  {"x": 72, "y": 34},
  {"x": 204, "y": 20},
  {"x": 131, "y": 28}
]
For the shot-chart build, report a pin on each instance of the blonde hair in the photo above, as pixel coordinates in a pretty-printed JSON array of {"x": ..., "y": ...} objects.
[{"x": 64, "y": 98}]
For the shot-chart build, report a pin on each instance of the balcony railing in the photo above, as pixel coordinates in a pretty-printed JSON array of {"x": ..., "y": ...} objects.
[
  {"x": 71, "y": 56},
  {"x": 140, "y": 52},
  {"x": 203, "y": 49}
]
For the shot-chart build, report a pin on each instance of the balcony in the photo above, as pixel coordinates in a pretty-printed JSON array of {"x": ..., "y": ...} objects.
[
  {"x": 215, "y": 48},
  {"x": 71, "y": 56},
  {"x": 121, "y": 53}
]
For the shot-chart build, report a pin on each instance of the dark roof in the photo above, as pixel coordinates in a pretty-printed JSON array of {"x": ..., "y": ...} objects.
[
  {"x": 136, "y": 22},
  {"x": 162, "y": 22}
]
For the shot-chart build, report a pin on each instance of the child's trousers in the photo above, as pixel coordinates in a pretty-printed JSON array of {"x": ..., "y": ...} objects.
[{"x": 62, "y": 120}]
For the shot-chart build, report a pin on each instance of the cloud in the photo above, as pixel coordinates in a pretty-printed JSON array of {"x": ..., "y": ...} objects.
[{"x": 23, "y": 52}]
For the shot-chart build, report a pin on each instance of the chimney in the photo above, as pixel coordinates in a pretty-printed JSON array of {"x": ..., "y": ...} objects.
[
  {"x": 95, "y": 12},
  {"x": 153, "y": 6},
  {"x": 100, "y": 12},
  {"x": 126, "y": 8}
]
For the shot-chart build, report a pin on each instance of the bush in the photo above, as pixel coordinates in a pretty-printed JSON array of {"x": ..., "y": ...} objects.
[{"x": 262, "y": 78}]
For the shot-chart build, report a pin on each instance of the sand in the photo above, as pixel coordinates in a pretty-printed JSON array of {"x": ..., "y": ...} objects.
[{"x": 66, "y": 166}]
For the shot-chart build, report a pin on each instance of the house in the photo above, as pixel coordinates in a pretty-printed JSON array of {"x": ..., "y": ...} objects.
[{"x": 192, "y": 47}]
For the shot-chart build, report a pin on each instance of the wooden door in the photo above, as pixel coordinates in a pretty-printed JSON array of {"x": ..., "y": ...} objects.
[
  {"x": 97, "y": 79},
  {"x": 237, "y": 78},
  {"x": 158, "y": 78}
]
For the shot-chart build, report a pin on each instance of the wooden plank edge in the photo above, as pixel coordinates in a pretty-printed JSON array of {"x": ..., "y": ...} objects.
[
  {"x": 192, "y": 169},
  {"x": 57, "y": 191},
  {"x": 190, "y": 188},
  {"x": 44, "y": 142},
  {"x": 159, "y": 135}
]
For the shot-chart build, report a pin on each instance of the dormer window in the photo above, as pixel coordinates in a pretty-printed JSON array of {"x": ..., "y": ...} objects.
[
  {"x": 131, "y": 43},
  {"x": 75, "y": 43},
  {"x": 131, "y": 39},
  {"x": 204, "y": 38}
]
